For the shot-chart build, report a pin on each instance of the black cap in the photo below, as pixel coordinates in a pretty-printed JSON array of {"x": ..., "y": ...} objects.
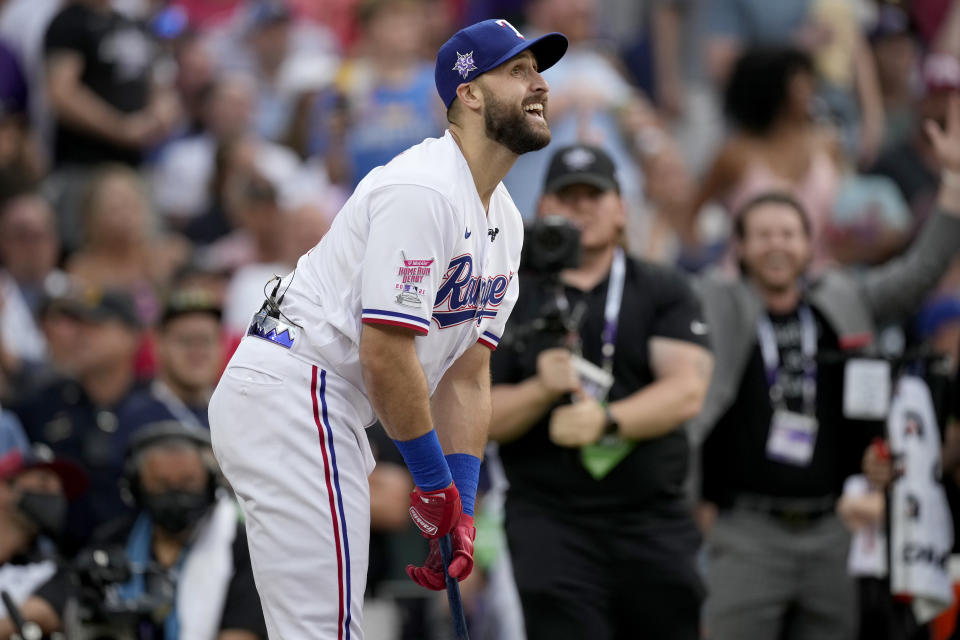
[
  {"x": 186, "y": 301},
  {"x": 166, "y": 431},
  {"x": 113, "y": 305},
  {"x": 93, "y": 304},
  {"x": 581, "y": 164}
]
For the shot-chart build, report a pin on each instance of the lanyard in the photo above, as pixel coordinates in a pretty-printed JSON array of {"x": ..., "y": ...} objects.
[
  {"x": 175, "y": 405},
  {"x": 611, "y": 309},
  {"x": 771, "y": 359}
]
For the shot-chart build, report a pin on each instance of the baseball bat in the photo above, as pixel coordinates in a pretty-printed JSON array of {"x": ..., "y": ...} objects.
[{"x": 453, "y": 591}]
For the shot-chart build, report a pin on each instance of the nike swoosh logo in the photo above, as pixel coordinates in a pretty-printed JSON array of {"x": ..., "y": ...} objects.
[{"x": 466, "y": 234}]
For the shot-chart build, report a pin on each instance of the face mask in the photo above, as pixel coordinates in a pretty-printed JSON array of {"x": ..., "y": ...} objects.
[
  {"x": 46, "y": 511},
  {"x": 176, "y": 511}
]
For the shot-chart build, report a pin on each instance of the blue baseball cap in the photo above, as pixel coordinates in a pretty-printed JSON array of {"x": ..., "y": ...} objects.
[{"x": 485, "y": 45}]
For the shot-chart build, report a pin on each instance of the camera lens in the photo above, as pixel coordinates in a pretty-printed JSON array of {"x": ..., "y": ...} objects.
[
  {"x": 552, "y": 244},
  {"x": 551, "y": 239}
]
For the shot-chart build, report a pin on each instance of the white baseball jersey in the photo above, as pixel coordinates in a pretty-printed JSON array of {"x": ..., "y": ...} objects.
[{"x": 412, "y": 247}]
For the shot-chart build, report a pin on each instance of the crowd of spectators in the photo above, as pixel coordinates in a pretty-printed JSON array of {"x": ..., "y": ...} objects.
[{"x": 161, "y": 160}]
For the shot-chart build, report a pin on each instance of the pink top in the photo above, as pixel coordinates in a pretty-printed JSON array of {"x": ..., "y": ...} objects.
[{"x": 816, "y": 190}]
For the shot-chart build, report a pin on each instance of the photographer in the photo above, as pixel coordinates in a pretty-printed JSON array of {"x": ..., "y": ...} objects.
[
  {"x": 34, "y": 490},
  {"x": 796, "y": 408},
  {"x": 186, "y": 551},
  {"x": 600, "y": 538}
]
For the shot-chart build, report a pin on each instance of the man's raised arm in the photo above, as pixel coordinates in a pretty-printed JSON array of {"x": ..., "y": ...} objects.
[{"x": 898, "y": 287}]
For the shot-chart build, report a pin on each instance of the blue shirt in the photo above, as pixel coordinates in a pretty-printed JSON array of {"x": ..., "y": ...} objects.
[
  {"x": 385, "y": 120},
  {"x": 756, "y": 21}
]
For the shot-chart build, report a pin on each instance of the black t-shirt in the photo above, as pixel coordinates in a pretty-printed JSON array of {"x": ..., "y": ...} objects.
[
  {"x": 118, "y": 57},
  {"x": 788, "y": 330},
  {"x": 27, "y": 571},
  {"x": 735, "y": 458},
  {"x": 55, "y": 592},
  {"x": 657, "y": 302}
]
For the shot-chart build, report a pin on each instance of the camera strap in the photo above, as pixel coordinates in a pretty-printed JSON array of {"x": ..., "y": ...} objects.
[{"x": 611, "y": 309}]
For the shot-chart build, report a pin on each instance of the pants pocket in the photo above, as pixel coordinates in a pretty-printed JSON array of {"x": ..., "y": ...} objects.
[{"x": 245, "y": 373}]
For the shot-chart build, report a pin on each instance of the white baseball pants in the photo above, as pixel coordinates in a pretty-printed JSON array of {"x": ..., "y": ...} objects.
[{"x": 291, "y": 444}]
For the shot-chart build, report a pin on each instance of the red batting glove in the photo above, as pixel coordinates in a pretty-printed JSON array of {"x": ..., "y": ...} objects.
[
  {"x": 882, "y": 448},
  {"x": 877, "y": 464},
  {"x": 430, "y": 575},
  {"x": 435, "y": 512}
]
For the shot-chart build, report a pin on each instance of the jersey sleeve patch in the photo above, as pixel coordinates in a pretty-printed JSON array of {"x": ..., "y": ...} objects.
[
  {"x": 383, "y": 316},
  {"x": 411, "y": 228},
  {"x": 410, "y": 286}
]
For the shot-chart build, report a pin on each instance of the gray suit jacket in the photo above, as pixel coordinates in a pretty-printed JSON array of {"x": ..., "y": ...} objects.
[{"x": 854, "y": 303}]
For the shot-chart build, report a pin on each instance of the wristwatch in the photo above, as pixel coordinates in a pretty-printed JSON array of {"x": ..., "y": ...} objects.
[{"x": 612, "y": 427}]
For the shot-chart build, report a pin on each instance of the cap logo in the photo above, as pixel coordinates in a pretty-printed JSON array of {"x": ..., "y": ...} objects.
[
  {"x": 504, "y": 23},
  {"x": 578, "y": 159},
  {"x": 464, "y": 64}
]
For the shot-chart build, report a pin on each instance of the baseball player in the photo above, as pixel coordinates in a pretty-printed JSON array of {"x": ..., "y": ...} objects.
[{"x": 392, "y": 315}]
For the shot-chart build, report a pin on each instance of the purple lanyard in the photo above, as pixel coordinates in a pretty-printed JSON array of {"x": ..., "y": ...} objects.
[
  {"x": 771, "y": 359},
  {"x": 611, "y": 309}
]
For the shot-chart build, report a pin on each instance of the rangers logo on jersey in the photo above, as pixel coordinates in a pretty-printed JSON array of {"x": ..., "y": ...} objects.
[{"x": 464, "y": 297}]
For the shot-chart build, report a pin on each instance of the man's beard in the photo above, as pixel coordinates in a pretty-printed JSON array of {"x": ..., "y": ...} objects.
[{"x": 509, "y": 126}]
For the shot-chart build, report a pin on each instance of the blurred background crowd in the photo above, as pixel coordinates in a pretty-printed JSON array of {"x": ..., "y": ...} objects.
[{"x": 161, "y": 160}]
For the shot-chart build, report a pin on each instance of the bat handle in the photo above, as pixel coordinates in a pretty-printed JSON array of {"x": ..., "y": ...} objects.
[{"x": 453, "y": 591}]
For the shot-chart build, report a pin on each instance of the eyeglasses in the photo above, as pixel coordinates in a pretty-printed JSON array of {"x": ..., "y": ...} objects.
[{"x": 194, "y": 341}]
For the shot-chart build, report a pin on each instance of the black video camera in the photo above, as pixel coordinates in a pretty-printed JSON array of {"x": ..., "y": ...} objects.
[
  {"x": 102, "y": 613},
  {"x": 550, "y": 245}
]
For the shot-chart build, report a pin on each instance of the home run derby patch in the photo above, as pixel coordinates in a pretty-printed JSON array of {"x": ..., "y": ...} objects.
[{"x": 409, "y": 289}]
